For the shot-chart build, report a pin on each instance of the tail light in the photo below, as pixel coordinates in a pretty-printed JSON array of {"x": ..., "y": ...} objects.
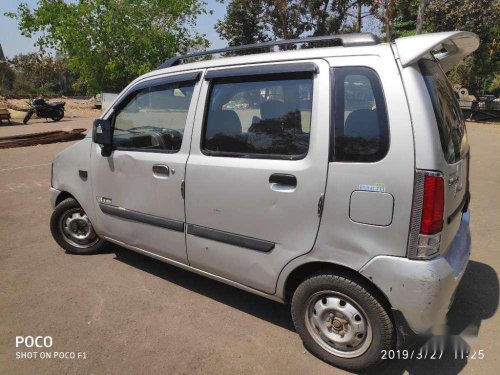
[
  {"x": 427, "y": 216},
  {"x": 431, "y": 221}
]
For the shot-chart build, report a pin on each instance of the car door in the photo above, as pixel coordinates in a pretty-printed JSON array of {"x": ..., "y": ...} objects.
[
  {"x": 138, "y": 188},
  {"x": 257, "y": 169}
]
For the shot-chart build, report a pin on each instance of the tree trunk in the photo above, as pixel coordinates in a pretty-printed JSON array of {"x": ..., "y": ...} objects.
[
  {"x": 387, "y": 26},
  {"x": 358, "y": 23},
  {"x": 389, "y": 12},
  {"x": 420, "y": 16}
]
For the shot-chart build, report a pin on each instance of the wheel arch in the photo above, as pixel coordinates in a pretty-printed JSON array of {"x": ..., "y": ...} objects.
[
  {"x": 305, "y": 270},
  {"x": 81, "y": 197},
  {"x": 63, "y": 195},
  {"x": 404, "y": 334}
]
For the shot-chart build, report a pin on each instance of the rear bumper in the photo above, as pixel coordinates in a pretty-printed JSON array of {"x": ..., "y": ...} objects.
[
  {"x": 423, "y": 290},
  {"x": 53, "y": 193}
]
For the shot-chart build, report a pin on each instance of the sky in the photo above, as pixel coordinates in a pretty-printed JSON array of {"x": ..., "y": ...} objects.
[{"x": 14, "y": 43}]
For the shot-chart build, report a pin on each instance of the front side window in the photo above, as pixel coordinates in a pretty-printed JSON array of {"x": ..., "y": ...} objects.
[
  {"x": 153, "y": 118},
  {"x": 450, "y": 122},
  {"x": 361, "y": 131},
  {"x": 267, "y": 118}
]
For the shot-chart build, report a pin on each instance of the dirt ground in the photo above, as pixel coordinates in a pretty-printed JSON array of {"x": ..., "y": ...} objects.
[{"x": 133, "y": 314}]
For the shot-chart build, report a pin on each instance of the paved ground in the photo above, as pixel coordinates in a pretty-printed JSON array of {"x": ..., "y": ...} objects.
[{"x": 133, "y": 314}]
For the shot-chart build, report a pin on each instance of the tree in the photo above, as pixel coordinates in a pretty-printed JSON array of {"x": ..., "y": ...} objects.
[
  {"x": 7, "y": 77},
  {"x": 481, "y": 17},
  {"x": 494, "y": 86},
  {"x": 360, "y": 14},
  {"x": 286, "y": 18},
  {"x": 332, "y": 17},
  {"x": 40, "y": 74},
  {"x": 420, "y": 16},
  {"x": 405, "y": 19},
  {"x": 2, "y": 56},
  {"x": 250, "y": 21},
  {"x": 110, "y": 42},
  {"x": 386, "y": 12},
  {"x": 244, "y": 23}
]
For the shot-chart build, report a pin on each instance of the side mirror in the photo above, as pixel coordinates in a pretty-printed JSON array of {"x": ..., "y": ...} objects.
[{"x": 102, "y": 135}]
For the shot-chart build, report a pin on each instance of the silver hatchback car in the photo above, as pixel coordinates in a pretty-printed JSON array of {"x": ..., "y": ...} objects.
[{"x": 334, "y": 178}]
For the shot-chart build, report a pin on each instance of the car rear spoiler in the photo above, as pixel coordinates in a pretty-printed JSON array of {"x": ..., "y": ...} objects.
[{"x": 449, "y": 47}]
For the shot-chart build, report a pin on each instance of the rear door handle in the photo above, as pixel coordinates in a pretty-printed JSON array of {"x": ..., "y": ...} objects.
[
  {"x": 161, "y": 171},
  {"x": 283, "y": 182}
]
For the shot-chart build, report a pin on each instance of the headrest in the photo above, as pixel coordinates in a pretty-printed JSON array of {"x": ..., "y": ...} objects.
[
  {"x": 224, "y": 122},
  {"x": 362, "y": 123},
  {"x": 272, "y": 109}
]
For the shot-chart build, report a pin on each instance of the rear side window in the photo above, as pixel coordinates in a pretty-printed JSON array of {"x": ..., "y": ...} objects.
[
  {"x": 451, "y": 125},
  {"x": 259, "y": 117},
  {"x": 361, "y": 132}
]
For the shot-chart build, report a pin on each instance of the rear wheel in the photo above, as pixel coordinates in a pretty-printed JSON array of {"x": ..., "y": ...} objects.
[
  {"x": 341, "y": 322},
  {"x": 59, "y": 114},
  {"x": 72, "y": 229}
]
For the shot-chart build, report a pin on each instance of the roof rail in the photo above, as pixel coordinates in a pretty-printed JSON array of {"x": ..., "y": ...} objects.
[{"x": 346, "y": 40}]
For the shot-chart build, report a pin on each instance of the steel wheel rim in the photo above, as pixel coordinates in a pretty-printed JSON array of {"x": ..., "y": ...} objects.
[
  {"x": 76, "y": 229},
  {"x": 338, "y": 324}
]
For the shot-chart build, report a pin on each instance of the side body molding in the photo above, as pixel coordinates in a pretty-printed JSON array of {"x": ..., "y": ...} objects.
[
  {"x": 230, "y": 238},
  {"x": 143, "y": 218}
]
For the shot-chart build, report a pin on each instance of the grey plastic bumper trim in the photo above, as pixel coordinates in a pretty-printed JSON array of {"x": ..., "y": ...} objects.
[
  {"x": 230, "y": 238},
  {"x": 142, "y": 218}
]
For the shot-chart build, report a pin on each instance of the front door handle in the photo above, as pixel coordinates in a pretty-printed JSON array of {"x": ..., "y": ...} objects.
[
  {"x": 283, "y": 182},
  {"x": 161, "y": 171}
]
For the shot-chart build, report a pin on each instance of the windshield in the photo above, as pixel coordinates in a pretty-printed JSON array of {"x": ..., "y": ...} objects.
[{"x": 450, "y": 122}]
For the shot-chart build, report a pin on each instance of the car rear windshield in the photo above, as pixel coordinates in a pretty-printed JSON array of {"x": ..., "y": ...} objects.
[{"x": 450, "y": 122}]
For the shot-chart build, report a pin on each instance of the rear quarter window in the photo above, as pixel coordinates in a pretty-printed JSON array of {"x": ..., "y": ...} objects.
[
  {"x": 449, "y": 119},
  {"x": 361, "y": 129}
]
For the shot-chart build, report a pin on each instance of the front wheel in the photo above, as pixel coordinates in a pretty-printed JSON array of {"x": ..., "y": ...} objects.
[
  {"x": 28, "y": 116},
  {"x": 341, "y": 322},
  {"x": 72, "y": 229}
]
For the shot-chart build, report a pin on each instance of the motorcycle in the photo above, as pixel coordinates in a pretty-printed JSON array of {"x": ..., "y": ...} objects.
[{"x": 55, "y": 110}]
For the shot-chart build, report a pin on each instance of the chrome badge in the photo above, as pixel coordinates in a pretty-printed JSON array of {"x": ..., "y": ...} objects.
[{"x": 104, "y": 200}]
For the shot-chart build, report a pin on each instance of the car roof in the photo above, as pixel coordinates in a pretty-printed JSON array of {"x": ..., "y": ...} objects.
[
  {"x": 408, "y": 50},
  {"x": 269, "y": 57}
]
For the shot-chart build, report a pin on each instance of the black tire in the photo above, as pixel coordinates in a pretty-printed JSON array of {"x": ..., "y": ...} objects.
[
  {"x": 58, "y": 115},
  {"x": 382, "y": 329},
  {"x": 27, "y": 117},
  {"x": 68, "y": 207}
]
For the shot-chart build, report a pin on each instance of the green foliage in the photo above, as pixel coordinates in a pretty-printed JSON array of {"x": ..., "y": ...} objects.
[
  {"x": 329, "y": 17},
  {"x": 39, "y": 74},
  {"x": 286, "y": 18},
  {"x": 7, "y": 77},
  {"x": 110, "y": 42},
  {"x": 494, "y": 86},
  {"x": 251, "y": 21},
  {"x": 405, "y": 22},
  {"x": 107, "y": 43},
  {"x": 402, "y": 28},
  {"x": 244, "y": 23},
  {"x": 480, "y": 17}
]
